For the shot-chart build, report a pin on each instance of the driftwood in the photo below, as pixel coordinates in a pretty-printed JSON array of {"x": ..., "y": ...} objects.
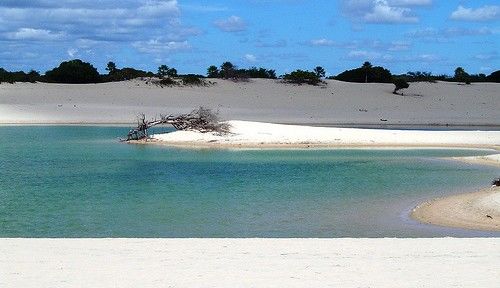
[{"x": 202, "y": 119}]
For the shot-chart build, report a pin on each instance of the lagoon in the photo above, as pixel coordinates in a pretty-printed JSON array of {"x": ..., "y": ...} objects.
[{"x": 80, "y": 181}]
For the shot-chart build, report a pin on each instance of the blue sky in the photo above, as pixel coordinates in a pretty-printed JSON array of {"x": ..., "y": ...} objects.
[{"x": 402, "y": 35}]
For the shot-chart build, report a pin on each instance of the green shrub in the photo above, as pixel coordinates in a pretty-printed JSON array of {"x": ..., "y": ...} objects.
[
  {"x": 167, "y": 82},
  {"x": 193, "y": 80},
  {"x": 302, "y": 77},
  {"x": 400, "y": 83}
]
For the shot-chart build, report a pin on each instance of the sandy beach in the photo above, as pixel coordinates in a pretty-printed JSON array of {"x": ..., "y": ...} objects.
[
  {"x": 444, "y": 262},
  {"x": 479, "y": 210}
]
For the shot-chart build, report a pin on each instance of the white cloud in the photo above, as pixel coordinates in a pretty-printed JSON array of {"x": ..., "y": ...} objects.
[
  {"x": 250, "y": 58},
  {"x": 410, "y": 2},
  {"x": 368, "y": 55},
  {"x": 231, "y": 24},
  {"x": 382, "y": 11},
  {"x": 72, "y": 52},
  {"x": 34, "y": 34},
  {"x": 159, "y": 46},
  {"x": 105, "y": 21},
  {"x": 485, "y": 13},
  {"x": 276, "y": 44},
  {"x": 322, "y": 42},
  {"x": 428, "y": 57},
  {"x": 399, "y": 46},
  {"x": 486, "y": 56},
  {"x": 440, "y": 35}
]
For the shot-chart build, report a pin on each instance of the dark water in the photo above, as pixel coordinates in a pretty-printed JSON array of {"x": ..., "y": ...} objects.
[{"x": 64, "y": 181}]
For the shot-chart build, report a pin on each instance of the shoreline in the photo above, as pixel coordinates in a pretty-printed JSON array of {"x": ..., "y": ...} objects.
[
  {"x": 490, "y": 160},
  {"x": 218, "y": 145},
  {"x": 478, "y": 210},
  {"x": 248, "y": 134}
]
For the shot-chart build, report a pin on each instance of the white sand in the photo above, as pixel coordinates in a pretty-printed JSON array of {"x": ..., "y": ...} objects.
[
  {"x": 258, "y": 134},
  {"x": 259, "y": 100},
  {"x": 479, "y": 210},
  {"x": 342, "y": 263}
]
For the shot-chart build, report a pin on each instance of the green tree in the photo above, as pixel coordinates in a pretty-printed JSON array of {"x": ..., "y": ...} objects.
[
  {"x": 365, "y": 74},
  {"x": 367, "y": 66},
  {"x": 111, "y": 68},
  {"x": 227, "y": 70},
  {"x": 33, "y": 76},
  {"x": 494, "y": 77},
  {"x": 461, "y": 75},
  {"x": 320, "y": 71},
  {"x": 213, "y": 72},
  {"x": 164, "y": 70},
  {"x": 73, "y": 72}
]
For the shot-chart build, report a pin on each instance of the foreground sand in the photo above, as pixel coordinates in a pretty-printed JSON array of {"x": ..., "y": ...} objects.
[
  {"x": 337, "y": 103},
  {"x": 343, "y": 263}
]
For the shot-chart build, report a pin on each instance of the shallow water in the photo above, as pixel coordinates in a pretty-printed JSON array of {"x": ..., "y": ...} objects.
[{"x": 79, "y": 181}]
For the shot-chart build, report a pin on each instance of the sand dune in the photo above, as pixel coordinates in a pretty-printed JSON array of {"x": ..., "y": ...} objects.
[{"x": 258, "y": 100}]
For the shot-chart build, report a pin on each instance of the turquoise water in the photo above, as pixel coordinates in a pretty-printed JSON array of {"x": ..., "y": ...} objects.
[{"x": 63, "y": 181}]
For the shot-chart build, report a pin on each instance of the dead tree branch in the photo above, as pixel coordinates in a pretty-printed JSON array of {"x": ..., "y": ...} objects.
[{"x": 202, "y": 119}]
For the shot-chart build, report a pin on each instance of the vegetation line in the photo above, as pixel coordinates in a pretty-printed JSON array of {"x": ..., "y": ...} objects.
[{"x": 79, "y": 72}]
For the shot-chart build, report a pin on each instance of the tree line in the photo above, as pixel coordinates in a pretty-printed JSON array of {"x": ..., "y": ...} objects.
[{"x": 79, "y": 72}]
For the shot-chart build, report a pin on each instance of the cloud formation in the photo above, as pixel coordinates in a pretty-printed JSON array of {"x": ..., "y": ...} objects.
[
  {"x": 321, "y": 42},
  {"x": 382, "y": 11},
  {"x": 81, "y": 24},
  {"x": 485, "y": 13},
  {"x": 250, "y": 58},
  {"x": 231, "y": 24}
]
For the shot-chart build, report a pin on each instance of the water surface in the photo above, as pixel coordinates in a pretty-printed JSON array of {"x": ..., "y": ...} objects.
[{"x": 79, "y": 181}]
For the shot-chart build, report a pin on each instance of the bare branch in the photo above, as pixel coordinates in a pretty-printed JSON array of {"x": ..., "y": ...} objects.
[{"x": 202, "y": 119}]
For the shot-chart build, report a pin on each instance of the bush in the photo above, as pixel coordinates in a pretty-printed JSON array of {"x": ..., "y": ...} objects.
[
  {"x": 400, "y": 83},
  {"x": 302, "y": 77},
  {"x": 193, "y": 80},
  {"x": 126, "y": 74},
  {"x": 167, "y": 82}
]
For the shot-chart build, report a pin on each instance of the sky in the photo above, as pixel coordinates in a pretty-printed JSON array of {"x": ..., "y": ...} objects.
[{"x": 285, "y": 35}]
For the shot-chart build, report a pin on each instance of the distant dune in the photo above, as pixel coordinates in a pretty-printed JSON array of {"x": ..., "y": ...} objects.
[{"x": 337, "y": 103}]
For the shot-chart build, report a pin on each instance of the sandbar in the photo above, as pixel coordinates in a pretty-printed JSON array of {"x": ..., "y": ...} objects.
[{"x": 479, "y": 210}]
